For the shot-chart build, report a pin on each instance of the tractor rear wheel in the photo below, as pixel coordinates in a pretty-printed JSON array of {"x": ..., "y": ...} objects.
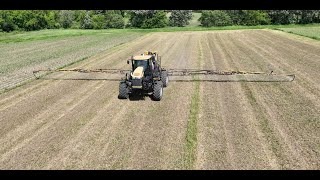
[
  {"x": 123, "y": 91},
  {"x": 157, "y": 91},
  {"x": 164, "y": 78}
]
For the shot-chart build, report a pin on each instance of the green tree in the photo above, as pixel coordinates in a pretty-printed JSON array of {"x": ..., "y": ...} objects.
[
  {"x": 6, "y": 21},
  {"x": 114, "y": 19},
  {"x": 180, "y": 17},
  {"x": 30, "y": 20},
  {"x": 52, "y": 18},
  {"x": 66, "y": 18},
  {"x": 87, "y": 22},
  {"x": 309, "y": 16},
  {"x": 158, "y": 20},
  {"x": 148, "y": 19},
  {"x": 79, "y": 16},
  {"x": 215, "y": 18},
  {"x": 249, "y": 17},
  {"x": 283, "y": 16},
  {"x": 98, "y": 21},
  {"x": 254, "y": 17}
]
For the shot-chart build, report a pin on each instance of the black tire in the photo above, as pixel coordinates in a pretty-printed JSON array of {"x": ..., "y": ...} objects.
[
  {"x": 123, "y": 91},
  {"x": 164, "y": 78},
  {"x": 157, "y": 91}
]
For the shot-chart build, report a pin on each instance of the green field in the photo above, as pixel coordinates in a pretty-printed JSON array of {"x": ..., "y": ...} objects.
[{"x": 311, "y": 32}]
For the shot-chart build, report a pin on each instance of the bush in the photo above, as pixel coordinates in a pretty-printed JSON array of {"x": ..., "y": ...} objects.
[
  {"x": 6, "y": 22},
  {"x": 180, "y": 17},
  {"x": 7, "y": 26},
  {"x": 32, "y": 24},
  {"x": 215, "y": 18}
]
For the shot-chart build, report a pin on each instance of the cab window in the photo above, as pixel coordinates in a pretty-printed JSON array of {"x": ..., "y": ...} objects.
[{"x": 142, "y": 63}]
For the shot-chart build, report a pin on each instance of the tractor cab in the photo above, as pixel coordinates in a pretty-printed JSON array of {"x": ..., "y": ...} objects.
[
  {"x": 145, "y": 63},
  {"x": 145, "y": 69},
  {"x": 141, "y": 61}
]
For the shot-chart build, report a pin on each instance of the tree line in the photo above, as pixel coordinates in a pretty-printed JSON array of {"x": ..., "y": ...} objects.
[
  {"x": 258, "y": 17},
  {"x": 29, "y": 20}
]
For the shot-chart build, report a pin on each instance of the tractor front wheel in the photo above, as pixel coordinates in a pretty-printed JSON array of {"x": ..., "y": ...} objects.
[
  {"x": 123, "y": 91},
  {"x": 164, "y": 78},
  {"x": 157, "y": 91}
]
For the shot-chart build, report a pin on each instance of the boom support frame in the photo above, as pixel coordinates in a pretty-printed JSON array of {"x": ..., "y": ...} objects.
[{"x": 176, "y": 72}]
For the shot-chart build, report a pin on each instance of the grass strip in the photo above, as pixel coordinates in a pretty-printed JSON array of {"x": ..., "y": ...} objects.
[
  {"x": 299, "y": 34},
  {"x": 21, "y": 36},
  {"x": 192, "y": 130}
]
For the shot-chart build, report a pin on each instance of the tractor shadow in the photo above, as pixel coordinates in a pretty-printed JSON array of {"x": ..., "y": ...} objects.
[{"x": 138, "y": 97}]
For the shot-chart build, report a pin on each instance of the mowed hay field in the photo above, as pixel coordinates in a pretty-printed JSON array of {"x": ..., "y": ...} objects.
[{"x": 54, "y": 123}]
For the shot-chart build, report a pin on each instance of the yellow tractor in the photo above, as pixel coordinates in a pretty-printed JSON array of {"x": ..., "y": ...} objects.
[{"x": 148, "y": 77}]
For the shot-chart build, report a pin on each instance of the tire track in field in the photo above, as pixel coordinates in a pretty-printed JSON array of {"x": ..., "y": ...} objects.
[
  {"x": 92, "y": 129},
  {"x": 245, "y": 136},
  {"x": 148, "y": 125},
  {"x": 76, "y": 152},
  {"x": 19, "y": 103},
  {"x": 304, "y": 131},
  {"x": 23, "y": 74},
  {"x": 288, "y": 42},
  {"x": 215, "y": 149},
  {"x": 120, "y": 48},
  {"x": 67, "y": 84},
  {"x": 302, "y": 90},
  {"x": 147, "y": 151},
  {"x": 15, "y": 115},
  {"x": 36, "y": 88},
  {"x": 265, "y": 57},
  {"x": 110, "y": 137},
  {"x": 305, "y": 71},
  {"x": 89, "y": 157},
  {"x": 118, "y": 58},
  {"x": 288, "y": 54},
  {"x": 99, "y": 57},
  {"x": 293, "y": 158},
  {"x": 83, "y": 64},
  {"x": 202, "y": 126},
  {"x": 165, "y": 159},
  {"x": 42, "y": 121},
  {"x": 38, "y": 150},
  {"x": 266, "y": 128}
]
